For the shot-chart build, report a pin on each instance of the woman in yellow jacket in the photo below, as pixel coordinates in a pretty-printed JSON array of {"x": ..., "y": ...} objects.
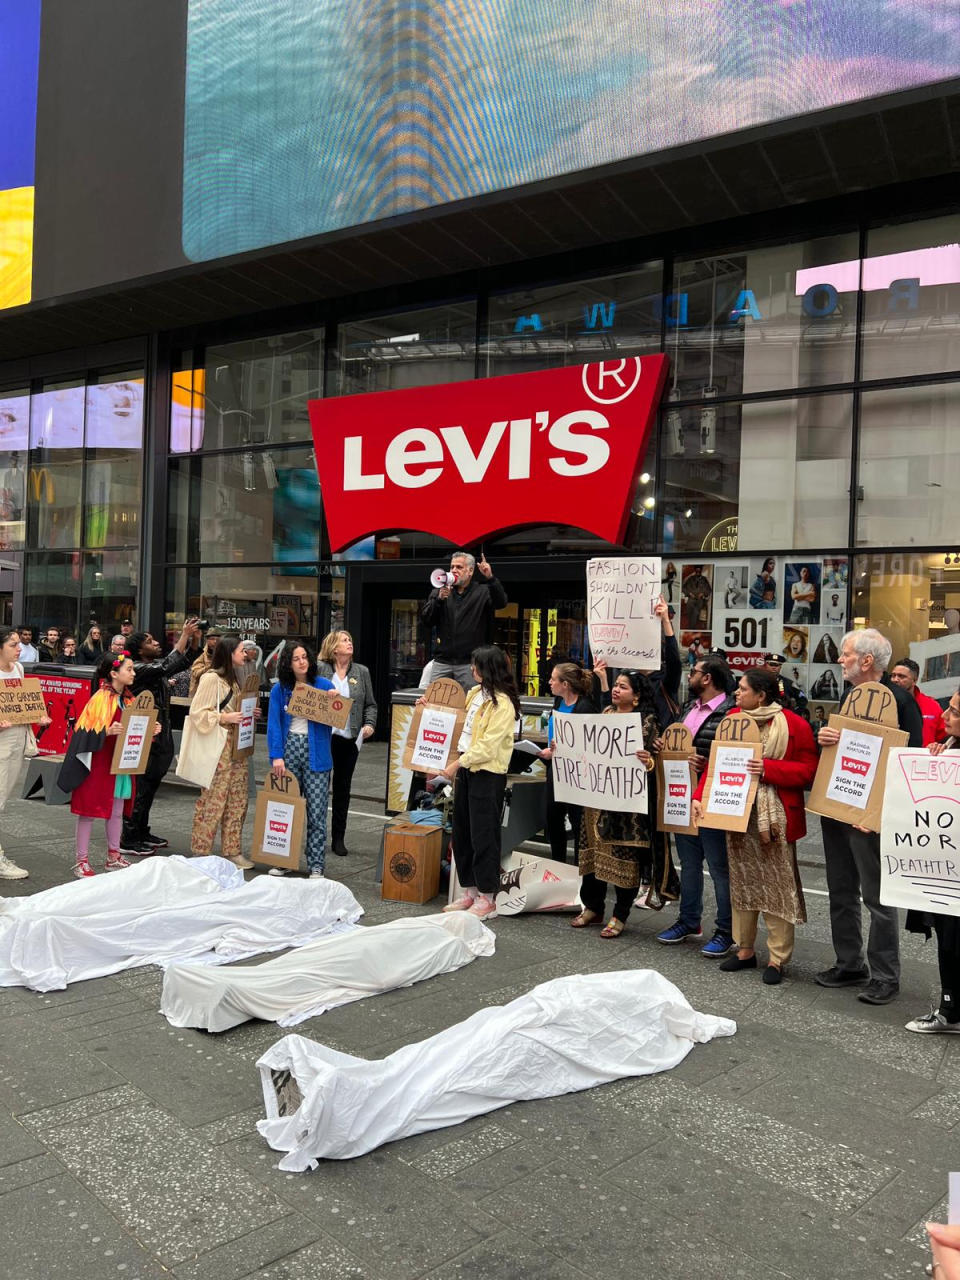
[{"x": 480, "y": 779}]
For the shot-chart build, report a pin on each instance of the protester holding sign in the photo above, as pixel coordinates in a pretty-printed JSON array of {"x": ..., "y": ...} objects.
[
  {"x": 710, "y": 702},
  {"x": 303, "y": 747},
  {"x": 15, "y": 740},
  {"x": 946, "y": 1018},
  {"x": 852, "y": 855},
  {"x": 616, "y": 846},
  {"x": 208, "y": 751},
  {"x": 572, "y": 689},
  {"x": 764, "y": 876},
  {"x": 493, "y": 706},
  {"x": 352, "y": 680},
  {"x": 96, "y": 792}
]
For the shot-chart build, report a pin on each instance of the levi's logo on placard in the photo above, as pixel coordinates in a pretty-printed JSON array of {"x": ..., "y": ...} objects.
[
  {"x": 677, "y": 789},
  {"x": 849, "y": 765},
  {"x": 732, "y": 779},
  {"x": 468, "y": 459}
]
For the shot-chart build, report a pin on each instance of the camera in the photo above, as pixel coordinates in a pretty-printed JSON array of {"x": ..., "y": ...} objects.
[{"x": 204, "y": 625}]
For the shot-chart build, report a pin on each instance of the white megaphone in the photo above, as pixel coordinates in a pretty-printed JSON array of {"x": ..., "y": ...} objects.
[{"x": 444, "y": 578}]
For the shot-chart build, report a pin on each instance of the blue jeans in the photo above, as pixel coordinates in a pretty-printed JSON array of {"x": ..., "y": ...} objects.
[{"x": 692, "y": 850}]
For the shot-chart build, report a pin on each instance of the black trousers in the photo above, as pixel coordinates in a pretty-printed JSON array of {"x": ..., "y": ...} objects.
[
  {"x": 477, "y": 809},
  {"x": 593, "y": 895},
  {"x": 344, "y": 752},
  {"x": 138, "y": 824},
  {"x": 948, "y": 956},
  {"x": 556, "y": 829}
]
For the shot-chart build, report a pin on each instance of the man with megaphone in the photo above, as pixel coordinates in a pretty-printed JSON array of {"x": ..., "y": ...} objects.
[{"x": 461, "y": 607}]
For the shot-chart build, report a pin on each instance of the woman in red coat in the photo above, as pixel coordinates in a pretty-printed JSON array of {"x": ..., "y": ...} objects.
[
  {"x": 764, "y": 876},
  {"x": 96, "y": 792}
]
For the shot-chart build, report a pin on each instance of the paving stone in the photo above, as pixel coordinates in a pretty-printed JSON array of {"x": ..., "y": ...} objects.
[
  {"x": 58, "y": 1228},
  {"x": 509, "y": 1256},
  {"x": 15, "y": 1142},
  {"x": 918, "y": 1232},
  {"x": 95, "y": 1104},
  {"x": 256, "y": 1249},
  {"x": 170, "y": 1191},
  {"x": 322, "y": 1261},
  {"x": 25, "y": 1173},
  {"x": 942, "y": 1108},
  {"x": 40, "y": 1067},
  {"x": 907, "y": 1200},
  {"x": 230, "y": 1128},
  {"x": 461, "y": 1152}
]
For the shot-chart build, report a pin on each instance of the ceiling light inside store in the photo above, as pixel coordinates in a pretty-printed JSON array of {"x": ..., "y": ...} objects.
[{"x": 649, "y": 503}]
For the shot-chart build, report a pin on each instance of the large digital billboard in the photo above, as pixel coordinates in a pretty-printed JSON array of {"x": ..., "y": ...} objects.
[
  {"x": 19, "y": 52},
  {"x": 303, "y": 116}
]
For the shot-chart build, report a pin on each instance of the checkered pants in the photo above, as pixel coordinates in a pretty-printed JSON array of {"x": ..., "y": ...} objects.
[{"x": 315, "y": 789}]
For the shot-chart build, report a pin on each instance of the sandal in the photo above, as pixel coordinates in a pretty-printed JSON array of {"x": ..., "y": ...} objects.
[
  {"x": 612, "y": 929},
  {"x": 584, "y": 918}
]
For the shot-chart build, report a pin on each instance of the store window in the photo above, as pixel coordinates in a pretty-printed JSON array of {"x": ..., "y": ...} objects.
[
  {"x": 769, "y": 473},
  {"x": 14, "y": 446},
  {"x": 412, "y": 349},
  {"x": 911, "y": 299},
  {"x": 253, "y": 393},
  {"x": 113, "y": 437},
  {"x": 55, "y": 469},
  {"x": 767, "y": 319},
  {"x": 53, "y": 590},
  {"x": 256, "y": 505},
  {"x": 577, "y": 322},
  {"x": 109, "y": 589},
  {"x": 914, "y": 600},
  {"x": 909, "y": 465}
]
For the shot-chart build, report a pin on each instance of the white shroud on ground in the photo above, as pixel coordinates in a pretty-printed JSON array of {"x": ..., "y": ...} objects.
[
  {"x": 563, "y": 1036},
  {"x": 163, "y": 910},
  {"x": 324, "y": 974}
]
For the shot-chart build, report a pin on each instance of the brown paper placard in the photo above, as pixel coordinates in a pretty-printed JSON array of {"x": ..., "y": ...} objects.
[
  {"x": 678, "y": 747},
  {"x": 250, "y": 689},
  {"x": 446, "y": 693},
  {"x": 444, "y": 757},
  {"x": 143, "y": 712},
  {"x": 322, "y": 706},
  {"x": 872, "y": 702},
  {"x": 279, "y": 819},
  {"x": 738, "y": 730},
  {"x": 21, "y": 701},
  {"x": 826, "y": 806}
]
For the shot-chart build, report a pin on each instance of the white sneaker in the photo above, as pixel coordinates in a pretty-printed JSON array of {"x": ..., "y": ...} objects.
[
  {"x": 316, "y": 875},
  {"x": 10, "y": 871},
  {"x": 277, "y": 871},
  {"x": 484, "y": 909}
]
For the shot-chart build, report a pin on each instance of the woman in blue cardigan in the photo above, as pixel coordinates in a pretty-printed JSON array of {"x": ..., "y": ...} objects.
[{"x": 303, "y": 747}]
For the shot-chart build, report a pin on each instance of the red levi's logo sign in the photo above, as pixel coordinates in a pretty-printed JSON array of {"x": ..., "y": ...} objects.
[
  {"x": 849, "y": 765},
  {"x": 732, "y": 779},
  {"x": 677, "y": 789},
  {"x": 280, "y": 827},
  {"x": 431, "y": 735},
  {"x": 469, "y": 459}
]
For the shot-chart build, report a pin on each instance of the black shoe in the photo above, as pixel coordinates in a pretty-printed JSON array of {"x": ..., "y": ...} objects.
[
  {"x": 772, "y": 976},
  {"x": 733, "y": 963},
  {"x": 876, "y": 992},
  {"x": 136, "y": 848},
  {"x": 339, "y": 848},
  {"x": 837, "y": 977},
  {"x": 158, "y": 842}
]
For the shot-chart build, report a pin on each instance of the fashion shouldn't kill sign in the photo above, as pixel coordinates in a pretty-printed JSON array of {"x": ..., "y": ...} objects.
[
  {"x": 622, "y": 593},
  {"x": 560, "y": 443}
]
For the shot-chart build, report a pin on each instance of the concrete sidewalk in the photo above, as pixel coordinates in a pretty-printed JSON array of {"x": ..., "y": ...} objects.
[{"x": 814, "y": 1143}]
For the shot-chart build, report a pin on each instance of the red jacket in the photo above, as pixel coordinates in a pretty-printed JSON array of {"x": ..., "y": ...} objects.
[
  {"x": 791, "y": 775},
  {"x": 934, "y": 729}
]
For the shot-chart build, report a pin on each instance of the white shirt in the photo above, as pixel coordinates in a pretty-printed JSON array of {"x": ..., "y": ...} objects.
[
  {"x": 28, "y": 653},
  {"x": 342, "y": 686}
]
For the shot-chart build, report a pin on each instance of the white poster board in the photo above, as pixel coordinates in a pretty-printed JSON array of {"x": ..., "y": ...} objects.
[
  {"x": 595, "y": 762},
  {"x": 920, "y": 831},
  {"x": 134, "y": 739},
  {"x": 435, "y": 738},
  {"x": 622, "y": 592},
  {"x": 729, "y": 797},
  {"x": 678, "y": 787},
  {"x": 855, "y": 768},
  {"x": 245, "y": 729}
]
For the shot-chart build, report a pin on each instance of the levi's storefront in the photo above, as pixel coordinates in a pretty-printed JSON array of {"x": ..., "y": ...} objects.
[{"x": 798, "y": 477}]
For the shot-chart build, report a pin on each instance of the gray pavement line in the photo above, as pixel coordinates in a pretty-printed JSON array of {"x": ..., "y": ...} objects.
[{"x": 360, "y": 813}]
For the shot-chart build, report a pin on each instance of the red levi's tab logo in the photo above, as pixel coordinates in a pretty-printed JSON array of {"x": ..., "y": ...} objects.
[
  {"x": 431, "y": 735},
  {"x": 849, "y": 765},
  {"x": 732, "y": 779},
  {"x": 279, "y": 827},
  {"x": 469, "y": 459},
  {"x": 677, "y": 789}
]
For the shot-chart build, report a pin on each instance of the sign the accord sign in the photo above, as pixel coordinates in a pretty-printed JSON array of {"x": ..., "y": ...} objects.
[{"x": 469, "y": 459}]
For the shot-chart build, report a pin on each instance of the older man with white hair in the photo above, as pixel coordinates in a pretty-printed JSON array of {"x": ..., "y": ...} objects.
[{"x": 853, "y": 856}]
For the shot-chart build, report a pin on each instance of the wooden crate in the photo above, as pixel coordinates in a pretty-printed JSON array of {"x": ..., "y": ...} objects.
[{"x": 411, "y": 862}]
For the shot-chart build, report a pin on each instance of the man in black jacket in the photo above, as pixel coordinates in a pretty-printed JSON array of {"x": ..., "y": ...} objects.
[
  {"x": 463, "y": 615},
  {"x": 709, "y": 703},
  {"x": 852, "y": 856},
  {"x": 152, "y": 674}
]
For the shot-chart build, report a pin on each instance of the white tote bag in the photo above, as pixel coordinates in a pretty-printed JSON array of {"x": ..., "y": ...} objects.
[{"x": 199, "y": 752}]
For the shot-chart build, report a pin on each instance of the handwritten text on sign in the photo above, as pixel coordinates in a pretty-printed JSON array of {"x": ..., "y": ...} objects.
[
  {"x": 920, "y": 831},
  {"x": 622, "y": 592},
  {"x": 855, "y": 768},
  {"x": 21, "y": 701},
  {"x": 595, "y": 762},
  {"x": 320, "y": 705}
]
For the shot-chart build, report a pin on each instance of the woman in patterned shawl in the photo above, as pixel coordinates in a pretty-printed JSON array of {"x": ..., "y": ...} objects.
[{"x": 763, "y": 859}]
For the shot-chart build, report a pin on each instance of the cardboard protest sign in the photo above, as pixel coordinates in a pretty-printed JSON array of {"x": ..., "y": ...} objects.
[
  {"x": 850, "y": 776},
  {"x": 676, "y": 782},
  {"x": 323, "y": 706},
  {"x": 595, "y": 762},
  {"x": 21, "y": 701},
  {"x": 279, "y": 822},
  {"x": 246, "y": 729},
  {"x": 135, "y": 738},
  {"x": 731, "y": 789},
  {"x": 436, "y": 727},
  {"x": 920, "y": 831},
  {"x": 622, "y": 592}
]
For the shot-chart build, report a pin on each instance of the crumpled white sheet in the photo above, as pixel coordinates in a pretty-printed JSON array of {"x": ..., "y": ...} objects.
[
  {"x": 324, "y": 974},
  {"x": 165, "y": 909},
  {"x": 563, "y": 1036}
]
